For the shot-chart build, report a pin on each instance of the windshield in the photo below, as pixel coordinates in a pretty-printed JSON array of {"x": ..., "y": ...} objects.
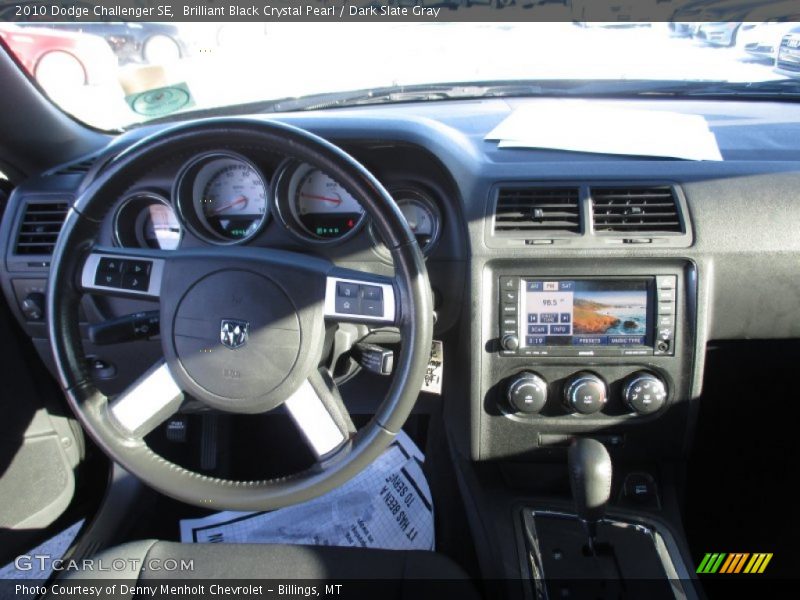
[{"x": 115, "y": 75}]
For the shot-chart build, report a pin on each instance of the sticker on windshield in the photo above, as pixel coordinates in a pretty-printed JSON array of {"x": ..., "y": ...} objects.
[{"x": 161, "y": 101}]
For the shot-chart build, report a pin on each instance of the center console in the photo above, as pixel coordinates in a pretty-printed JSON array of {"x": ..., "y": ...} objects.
[
  {"x": 575, "y": 351},
  {"x": 573, "y": 347}
]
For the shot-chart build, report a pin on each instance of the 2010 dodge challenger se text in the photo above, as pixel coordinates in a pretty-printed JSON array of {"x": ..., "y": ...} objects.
[{"x": 392, "y": 299}]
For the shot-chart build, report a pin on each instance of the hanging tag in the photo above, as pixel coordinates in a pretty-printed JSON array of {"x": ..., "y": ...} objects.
[{"x": 433, "y": 376}]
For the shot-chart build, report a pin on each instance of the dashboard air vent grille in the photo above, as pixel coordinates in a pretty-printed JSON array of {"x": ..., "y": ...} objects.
[
  {"x": 80, "y": 167},
  {"x": 627, "y": 210},
  {"x": 40, "y": 227},
  {"x": 537, "y": 210}
]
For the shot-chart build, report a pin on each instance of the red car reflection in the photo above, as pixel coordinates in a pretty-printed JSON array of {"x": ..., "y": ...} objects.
[{"x": 60, "y": 58}]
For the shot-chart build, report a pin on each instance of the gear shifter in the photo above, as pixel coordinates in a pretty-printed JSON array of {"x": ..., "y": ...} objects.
[{"x": 590, "y": 480}]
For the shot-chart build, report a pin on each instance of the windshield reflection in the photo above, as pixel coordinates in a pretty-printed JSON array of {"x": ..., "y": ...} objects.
[{"x": 112, "y": 75}]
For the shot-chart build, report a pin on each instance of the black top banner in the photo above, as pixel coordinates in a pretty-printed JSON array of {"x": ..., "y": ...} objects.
[{"x": 620, "y": 11}]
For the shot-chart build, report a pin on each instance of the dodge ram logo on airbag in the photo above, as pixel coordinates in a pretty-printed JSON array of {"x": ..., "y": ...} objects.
[{"x": 233, "y": 333}]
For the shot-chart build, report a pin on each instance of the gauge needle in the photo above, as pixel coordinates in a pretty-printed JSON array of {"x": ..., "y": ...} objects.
[
  {"x": 229, "y": 205},
  {"x": 336, "y": 201}
]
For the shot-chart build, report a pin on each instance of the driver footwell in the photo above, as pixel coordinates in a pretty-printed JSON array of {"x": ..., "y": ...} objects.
[{"x": 388, "y": 505}]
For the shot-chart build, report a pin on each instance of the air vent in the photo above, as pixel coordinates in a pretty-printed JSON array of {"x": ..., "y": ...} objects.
[
  {"x": 40, "y": 227},
  {"x": 77, "y": 168},
  {"x": 633, "y": 210},
  {"x": 537, "y": 211}
]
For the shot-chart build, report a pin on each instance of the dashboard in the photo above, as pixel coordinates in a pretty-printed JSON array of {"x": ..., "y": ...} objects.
[{"x": 573, "y": 292}]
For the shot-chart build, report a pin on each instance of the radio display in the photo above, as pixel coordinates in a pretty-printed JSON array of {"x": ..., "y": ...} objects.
[{"x": 584, "y": 312}]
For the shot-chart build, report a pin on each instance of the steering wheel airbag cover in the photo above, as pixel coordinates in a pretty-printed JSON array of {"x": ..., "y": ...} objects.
[{"x": 266, "y": 347}]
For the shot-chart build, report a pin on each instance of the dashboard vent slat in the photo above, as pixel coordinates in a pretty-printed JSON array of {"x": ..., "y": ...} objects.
[
  {"x": 80, "y": 167},
  {"x": 635, "y": 210},
  {"x": 40, "y": 227},
  {"x": 536, "y": 211}
]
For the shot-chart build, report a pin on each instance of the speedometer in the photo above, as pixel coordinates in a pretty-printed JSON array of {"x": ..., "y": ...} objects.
[
  {"x": 223, "y": 197},
  {"x": 315, "y": 206}
]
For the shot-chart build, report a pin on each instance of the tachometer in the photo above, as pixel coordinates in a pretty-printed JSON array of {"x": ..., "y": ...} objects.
[
  {"x": 223, "y": 197},
  {"x": 315, "y": 206}
]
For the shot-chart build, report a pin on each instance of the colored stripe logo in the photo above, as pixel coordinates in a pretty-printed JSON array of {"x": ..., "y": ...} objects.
[{"x": 737, "y": 562}]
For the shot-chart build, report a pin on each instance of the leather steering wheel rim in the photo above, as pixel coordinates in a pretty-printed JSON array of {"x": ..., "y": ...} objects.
[{"x": 412, "y": 296}]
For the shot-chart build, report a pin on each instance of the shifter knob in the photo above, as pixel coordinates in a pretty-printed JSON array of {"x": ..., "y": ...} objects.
[{"x": 590, "y": 480}]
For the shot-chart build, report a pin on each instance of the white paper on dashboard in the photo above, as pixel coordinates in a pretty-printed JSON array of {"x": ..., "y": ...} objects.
[
  {"x": 388, "y": 505},
  {"x": 580, "y": 126}
]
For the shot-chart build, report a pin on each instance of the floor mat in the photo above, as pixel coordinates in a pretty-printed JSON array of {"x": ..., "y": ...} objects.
[
  {"x": 388, "y": 505},
  {"x": 37, "y": 563}
]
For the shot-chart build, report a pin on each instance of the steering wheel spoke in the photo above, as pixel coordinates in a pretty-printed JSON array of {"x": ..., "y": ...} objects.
[
  {"x": 147, "y": 403},
  {"x": 321, "y": 416},
  {"x": 357, "y": 297},
  {"x": 117, "y": 272}
]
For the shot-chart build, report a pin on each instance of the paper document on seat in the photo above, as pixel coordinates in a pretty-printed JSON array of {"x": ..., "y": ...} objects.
[
  {"x": 581, "y": 126},
  {"x": 388, "y": 505}
]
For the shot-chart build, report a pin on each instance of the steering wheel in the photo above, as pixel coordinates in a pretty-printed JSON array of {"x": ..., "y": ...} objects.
[{"x": 242, "y": 329}]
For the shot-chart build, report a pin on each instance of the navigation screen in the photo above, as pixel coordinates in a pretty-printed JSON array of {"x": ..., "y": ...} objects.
[{"x": 584, "y": 312}]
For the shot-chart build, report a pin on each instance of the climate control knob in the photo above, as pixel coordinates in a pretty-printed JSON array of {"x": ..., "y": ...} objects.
[
  {"x": 527, "y": 393},
  {"x": 644, "y": 393},
  {"x": 585, "y": 393}
]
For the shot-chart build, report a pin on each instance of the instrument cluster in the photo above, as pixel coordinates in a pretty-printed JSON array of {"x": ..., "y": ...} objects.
[{"x": 224, "y": 197}]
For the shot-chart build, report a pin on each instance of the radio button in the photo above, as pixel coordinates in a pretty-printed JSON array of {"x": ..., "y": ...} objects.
[
  {"x": 509, "y": 327},
  {"x": 666, "y": 308},
  {"x": 510, "y": 342},
  {"x": 508, "y": 283},
  {"x": 665, "y": 333},
  {"x": 666, "y": 295},
  {"x": 666, "y": 321},
  {"x": 664, "y": 282},
  {"x": 509, "y": 309},
  {"x": 508, "y": 295}
]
